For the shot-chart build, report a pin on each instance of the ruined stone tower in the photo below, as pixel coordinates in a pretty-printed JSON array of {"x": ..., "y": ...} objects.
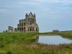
[
  {"x": 28, "y": 24},
  {"x": 10, "y": 29}
]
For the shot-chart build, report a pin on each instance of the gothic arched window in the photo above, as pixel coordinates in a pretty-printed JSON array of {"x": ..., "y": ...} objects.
[
  {"x": 36, "y": 29},
  {"x": 31, "y": 28}
]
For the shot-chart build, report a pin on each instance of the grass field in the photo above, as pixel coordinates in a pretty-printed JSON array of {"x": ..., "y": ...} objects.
[{"x": 25, "y": 43}]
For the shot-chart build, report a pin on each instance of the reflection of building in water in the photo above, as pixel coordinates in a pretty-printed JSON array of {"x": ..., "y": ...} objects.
[
  {"x": 26, "y": 25},
  {"x": 37, "y": 38}
]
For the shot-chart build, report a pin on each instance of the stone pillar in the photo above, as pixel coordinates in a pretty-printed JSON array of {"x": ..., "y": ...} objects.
[
  {"x": 26, "y": 29},
  {"x": 35, "y": 29}
]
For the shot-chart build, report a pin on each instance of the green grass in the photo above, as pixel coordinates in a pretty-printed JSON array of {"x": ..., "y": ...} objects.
[
  {"x": 63, "y": 34},
  {"x": 25, "y": 43}
]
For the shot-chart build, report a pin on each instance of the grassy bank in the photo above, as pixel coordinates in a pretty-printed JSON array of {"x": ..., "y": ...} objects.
[
  {"x": 63, "y": 34},
  {"x": 25, "y": 43}
]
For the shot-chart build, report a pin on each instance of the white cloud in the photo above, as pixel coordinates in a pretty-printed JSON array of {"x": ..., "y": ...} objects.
[
  {"x": 54, "y": 1},
  {"x": 3, "y": 10},
  {"x": 28, "y": 3}
]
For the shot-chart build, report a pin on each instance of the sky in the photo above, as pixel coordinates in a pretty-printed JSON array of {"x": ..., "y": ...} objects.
[{"x": 50, "y": 14}]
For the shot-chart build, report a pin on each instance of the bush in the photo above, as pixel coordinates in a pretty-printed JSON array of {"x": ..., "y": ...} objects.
[
  {"x": 1, "y": 45},
  {"x": 9, "y": 52}
]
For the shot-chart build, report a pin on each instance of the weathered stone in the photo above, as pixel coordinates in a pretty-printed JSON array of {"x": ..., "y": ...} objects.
[
  {"x": 28, "y": 24},
  {"x": 10, "y": 29}
]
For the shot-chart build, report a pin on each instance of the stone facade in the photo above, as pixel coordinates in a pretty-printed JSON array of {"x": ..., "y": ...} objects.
[
  {"x": 55, "y": 30},
  {"x": 26, "y": 25},
  {"x": 10, "y": 29}
]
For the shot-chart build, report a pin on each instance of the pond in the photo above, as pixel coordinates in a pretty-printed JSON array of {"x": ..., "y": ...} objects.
[{"x": 53, "y": 40}]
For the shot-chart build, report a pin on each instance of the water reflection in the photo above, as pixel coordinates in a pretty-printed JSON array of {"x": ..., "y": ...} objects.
[{"x": 53, "y": 40}]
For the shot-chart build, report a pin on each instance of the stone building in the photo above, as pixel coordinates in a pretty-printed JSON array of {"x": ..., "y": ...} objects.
[
  {"x": 28, "y": 24},
  {"x": 10, "y": 29},
  {"x": 55, "y": 30}
]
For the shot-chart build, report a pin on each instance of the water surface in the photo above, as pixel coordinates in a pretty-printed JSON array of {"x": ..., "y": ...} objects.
[{"x": 53, "y": 40}]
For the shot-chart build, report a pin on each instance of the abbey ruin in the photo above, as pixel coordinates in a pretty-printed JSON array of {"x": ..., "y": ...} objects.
[{"x": 26, "y": 25}]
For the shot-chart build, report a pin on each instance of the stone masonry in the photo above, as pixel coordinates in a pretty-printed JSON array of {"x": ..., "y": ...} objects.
[{"x": 26, "y": 25}]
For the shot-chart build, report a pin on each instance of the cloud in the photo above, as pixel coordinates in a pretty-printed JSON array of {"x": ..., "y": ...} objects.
[
  {"x": 28, "y": 3},
  {"x": 53, "y": 12},
  {"x": 53, "y": 1},
  {"x": 21, "y": 3},
  {"x": 64, "y": 2}
]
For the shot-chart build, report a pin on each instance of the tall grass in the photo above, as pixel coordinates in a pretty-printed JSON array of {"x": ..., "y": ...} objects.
[{"x": 25, "y": 43}]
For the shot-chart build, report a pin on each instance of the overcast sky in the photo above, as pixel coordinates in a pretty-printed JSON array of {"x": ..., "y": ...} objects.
[{"x": 50, "y": 14}]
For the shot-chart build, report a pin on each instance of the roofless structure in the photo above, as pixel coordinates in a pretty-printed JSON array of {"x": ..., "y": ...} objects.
[{"x": 26, "y": 25}]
